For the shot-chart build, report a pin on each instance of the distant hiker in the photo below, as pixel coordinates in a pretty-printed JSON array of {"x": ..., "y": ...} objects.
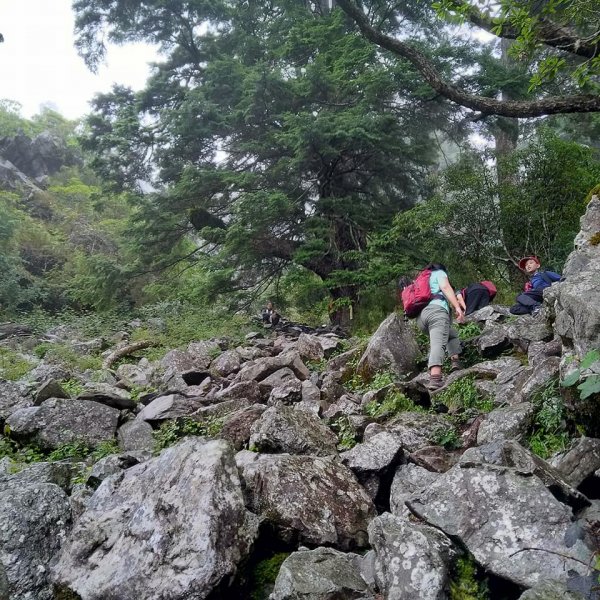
[
  {"x": 529, "y": 302},
  {"x": 269, "y": 315},
  {"x": 427, "y": 298},
  {"x": 476, "y": 296}
]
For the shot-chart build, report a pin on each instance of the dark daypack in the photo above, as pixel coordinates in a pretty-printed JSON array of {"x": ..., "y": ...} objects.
[{"x": 417, "y": 295}]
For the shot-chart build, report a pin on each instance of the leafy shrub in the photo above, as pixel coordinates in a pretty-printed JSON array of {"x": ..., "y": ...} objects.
[
  {"x": 549, "y": 434},
  {"x": 464, "y": 584},
  {"x": 345, "y": 432},
  {"x": 73, "y": 387},
  {"x": 447, "y": 437},
  {"x": 264, "y": 575},
  {"x": 64, "y": 355},
  {"x": 172, "y": 431},
  {"x": 589, "y": 384},
  {"x": 393, "y": 403},
  {"x": 463, "y": 393}
]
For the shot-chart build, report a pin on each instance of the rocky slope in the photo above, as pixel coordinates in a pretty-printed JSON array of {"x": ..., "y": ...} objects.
[{"x": 386, "y": 492}]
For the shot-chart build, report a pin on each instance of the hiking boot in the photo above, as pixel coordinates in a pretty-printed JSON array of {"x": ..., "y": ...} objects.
[
  {"x": 435, "y": 382},
  {"x": 456, "y": 365},
  {"x": 536, "y": 311}
]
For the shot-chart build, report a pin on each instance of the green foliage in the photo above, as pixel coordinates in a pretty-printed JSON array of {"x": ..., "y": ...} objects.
[
  {"x": 345, "y": 432},
  {"x": 76, "y": 450},
  {"x": 357, "y": 382},
  {"x": 393, "y": 403},
  {"x": 468, "y": 331},
  {"x": 465, "y": 584},
  {"x": 13, "y": 365},
  {"x": 73, "y": 387},
  {"x": 264, "y": 575},
  {"x": 173, "y": 430},
  {"x": 549, "y": 434},
  {"x": 589, "y": 384},
  {"x": 463, "y": 394},
  {"x": 447, "y": 437},
  {"x": 104, "y": 449}
]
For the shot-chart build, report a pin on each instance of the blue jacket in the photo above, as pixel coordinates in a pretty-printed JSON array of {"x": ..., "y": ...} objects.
[{"x": 538, "y": 283}]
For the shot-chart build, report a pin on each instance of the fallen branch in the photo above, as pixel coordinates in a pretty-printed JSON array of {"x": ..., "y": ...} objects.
[{"x": 125, "y": 351}]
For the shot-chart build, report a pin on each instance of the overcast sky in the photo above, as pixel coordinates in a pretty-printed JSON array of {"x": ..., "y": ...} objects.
[{"x": 39, "y": 64}]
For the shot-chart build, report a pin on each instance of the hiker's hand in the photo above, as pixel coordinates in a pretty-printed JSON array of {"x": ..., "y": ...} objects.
[{"x": 460, "y": 316}]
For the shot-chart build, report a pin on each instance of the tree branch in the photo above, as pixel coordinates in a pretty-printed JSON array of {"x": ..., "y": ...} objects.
[
  {"x": 549, "y": 33},
  {"x": 488, "y": 106}
]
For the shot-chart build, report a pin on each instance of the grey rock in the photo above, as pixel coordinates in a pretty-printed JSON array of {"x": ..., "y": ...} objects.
[
  {"x": 58, "y": 421},
  {"x": 309, "y": 499},
  {"x": 544, "y": 371},
  {"x": 413, "y": 560},
  {"x": 311, "y": 398},
  {"x": 289, "y": 393},
  {"x": 114, "y": 463},
  {"x": 108, "y": 395},
  {"x": 13, "y": 397},
  {"x": 246, "y": 390},
  {"x": 278, "y": 379},
  {"x": 374, "y": 461},
  {"x": 34, "y": 519},
  {"x": 581, "y": 461},
  {"x": 550, "y": 590},
  {"x": 79, "y": 499},
  {"x": 134, "y": 375},
  {"x": 59, "y": 473},
  {"x": 49, "y": 389},
  {"x": 509, "y": 453},
  {"x": 344, "y": 406},
  {"x": 340, "y": 362},
  {"x": 539, "y": 351},
  {"x": 392, "y": 347},
  {"x": 221, "y": 410},
  {"x": 45, "y": 371},
  {"x": 499, "y": 515},
  {"x": 331, "y": 388},
  {"x": 283, "y": 429},
  {"x": 263, "y": 367},
  {"x": 415, "y": 429},
  {"x": 226, "y": 363},
  {"x": 238, "y": 425},
  {"x": 135, "y": 435},
  {"x": 528, "y": 328},
  {"x": 408, "y": 481},
  {"x": 434, "y": 458},
  {"x": 171, "y": 527},
  {"x": 181, "y": 361},
  {"x": 170, "y": 406},
  {"x": 493, "y": 340},
  {"x": 508, "y": 423},
  {"x": 204, "y": 352},
  {"x": 320, "y": 574},
  {"x": 309, "y": 347}
]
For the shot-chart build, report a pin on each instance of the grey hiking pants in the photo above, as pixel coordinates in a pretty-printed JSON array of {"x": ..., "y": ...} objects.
[{"x": 436, "y": 321}]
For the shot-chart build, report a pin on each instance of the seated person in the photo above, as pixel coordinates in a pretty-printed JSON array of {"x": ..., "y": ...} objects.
[
  {"x": 269, "y": 314},
  {"x": 476, "y": 296},
  {"x": 530, "y": 300}
]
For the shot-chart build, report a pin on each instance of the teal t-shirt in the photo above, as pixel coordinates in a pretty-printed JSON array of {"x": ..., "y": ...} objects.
[{"x": 434, "y": 283}]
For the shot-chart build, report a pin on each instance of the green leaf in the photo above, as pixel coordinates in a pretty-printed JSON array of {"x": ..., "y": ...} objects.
[
  {"x": 589, "y": 359},
  {"x": 591, "y": 385},
  {"x": 571, "y": 379}
]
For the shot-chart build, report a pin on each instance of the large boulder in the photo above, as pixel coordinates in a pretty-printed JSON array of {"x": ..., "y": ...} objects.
[
  {"x": 502, "y": 517},
  {"x": 34, "y": 518},
  {"x": 309, "y": 499},
  {"x": 320, "y": 574},
  {"x": 58, "y": 421},
  {"x": 283, "y": 429},
  {"x": 392, "y": 347},
  {"x": 172, "y": 527},
  {"x": 413, "y": 561},
  {"x": 13, "y": 396},
  {"x": 576, "y": 301}
]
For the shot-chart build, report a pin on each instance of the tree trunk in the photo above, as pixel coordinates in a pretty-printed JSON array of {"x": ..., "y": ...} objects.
[{"x": 344, "y": 303}]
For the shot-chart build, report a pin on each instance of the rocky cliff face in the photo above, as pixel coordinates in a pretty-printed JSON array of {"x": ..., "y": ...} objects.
[
  {"x": 372, "y": 491},
  {"x": 28, "y": 162}
]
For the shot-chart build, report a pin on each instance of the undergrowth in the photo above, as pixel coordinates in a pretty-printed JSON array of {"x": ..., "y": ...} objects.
[{"x": 173, "y": 430}]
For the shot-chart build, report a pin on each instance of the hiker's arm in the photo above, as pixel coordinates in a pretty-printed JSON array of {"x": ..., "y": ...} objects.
[
  {"x": 451, "y": 296},
  {"x": 461, "y": 301}
]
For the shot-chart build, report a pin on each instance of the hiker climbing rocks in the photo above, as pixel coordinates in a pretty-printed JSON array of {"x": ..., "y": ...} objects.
[
  {"x": 529, "y": 302},
  {"x": 427, "y": 299},
  {"x": 269, "y": 315},
  {"x": 476, "y": 296}
]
